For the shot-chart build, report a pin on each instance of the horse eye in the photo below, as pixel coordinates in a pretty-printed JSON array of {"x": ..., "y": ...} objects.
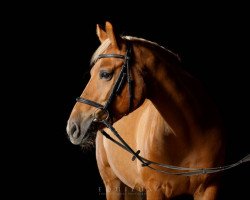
[{"x": 105, "y": 75}]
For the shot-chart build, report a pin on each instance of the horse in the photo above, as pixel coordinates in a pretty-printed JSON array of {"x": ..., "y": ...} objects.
[{"x": 161, "y": 110}]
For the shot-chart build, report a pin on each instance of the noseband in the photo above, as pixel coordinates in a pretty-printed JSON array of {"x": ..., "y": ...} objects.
[{"x": 125, "y": 73}]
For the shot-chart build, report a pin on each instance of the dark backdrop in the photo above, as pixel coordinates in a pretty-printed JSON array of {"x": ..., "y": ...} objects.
[{"x": 54, "y": 43}]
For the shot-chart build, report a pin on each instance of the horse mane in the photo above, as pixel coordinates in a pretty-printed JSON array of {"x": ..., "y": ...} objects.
[
  {"x": 154, "y": 44},
  {"x": 106, "y": 43}
]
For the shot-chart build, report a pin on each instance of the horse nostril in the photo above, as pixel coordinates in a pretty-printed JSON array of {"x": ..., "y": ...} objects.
[
  {"x": 75, "y": 132},
  {"x": 73, "y": 129}
]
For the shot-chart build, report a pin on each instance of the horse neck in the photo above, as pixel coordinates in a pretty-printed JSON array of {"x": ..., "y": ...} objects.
[{"x": 177, "y": 96}]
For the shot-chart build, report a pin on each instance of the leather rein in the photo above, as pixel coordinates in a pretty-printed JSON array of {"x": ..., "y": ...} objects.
[{"x": 125, "y": 74}]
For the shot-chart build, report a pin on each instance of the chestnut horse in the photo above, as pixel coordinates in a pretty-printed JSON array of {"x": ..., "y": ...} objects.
[{"x": 178, "y": 125}]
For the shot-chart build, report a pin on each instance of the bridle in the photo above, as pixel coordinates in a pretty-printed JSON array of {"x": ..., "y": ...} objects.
[{"x": 125, "y": 74}]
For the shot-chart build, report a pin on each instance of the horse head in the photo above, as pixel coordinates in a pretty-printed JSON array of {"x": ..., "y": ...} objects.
[{"x": 115, "y": 88}]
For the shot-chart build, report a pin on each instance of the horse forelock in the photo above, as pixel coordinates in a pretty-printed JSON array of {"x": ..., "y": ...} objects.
[{"x": 105, "y": 44}]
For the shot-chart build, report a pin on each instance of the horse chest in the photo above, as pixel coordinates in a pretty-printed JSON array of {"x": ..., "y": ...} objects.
[{"x": 122, "y": 165}]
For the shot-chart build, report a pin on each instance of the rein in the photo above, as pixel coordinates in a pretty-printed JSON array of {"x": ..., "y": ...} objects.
[
  {"x": 184, "y": 171},
  {"x": 125, "y": 73}
]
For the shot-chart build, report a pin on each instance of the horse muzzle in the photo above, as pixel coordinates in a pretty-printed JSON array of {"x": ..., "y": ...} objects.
[{"x": 78, "y": 132}]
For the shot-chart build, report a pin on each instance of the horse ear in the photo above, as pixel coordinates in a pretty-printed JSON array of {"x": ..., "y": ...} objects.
[
  {"x": 102, "y": 35},
  {"x": 111, "y": 35}
]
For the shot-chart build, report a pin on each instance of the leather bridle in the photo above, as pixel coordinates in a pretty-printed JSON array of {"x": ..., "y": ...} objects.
[{"x": 125, "y": 73}]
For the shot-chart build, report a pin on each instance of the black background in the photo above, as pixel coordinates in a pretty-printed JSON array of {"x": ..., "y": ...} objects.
[{"x": 50, "y": 48}]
